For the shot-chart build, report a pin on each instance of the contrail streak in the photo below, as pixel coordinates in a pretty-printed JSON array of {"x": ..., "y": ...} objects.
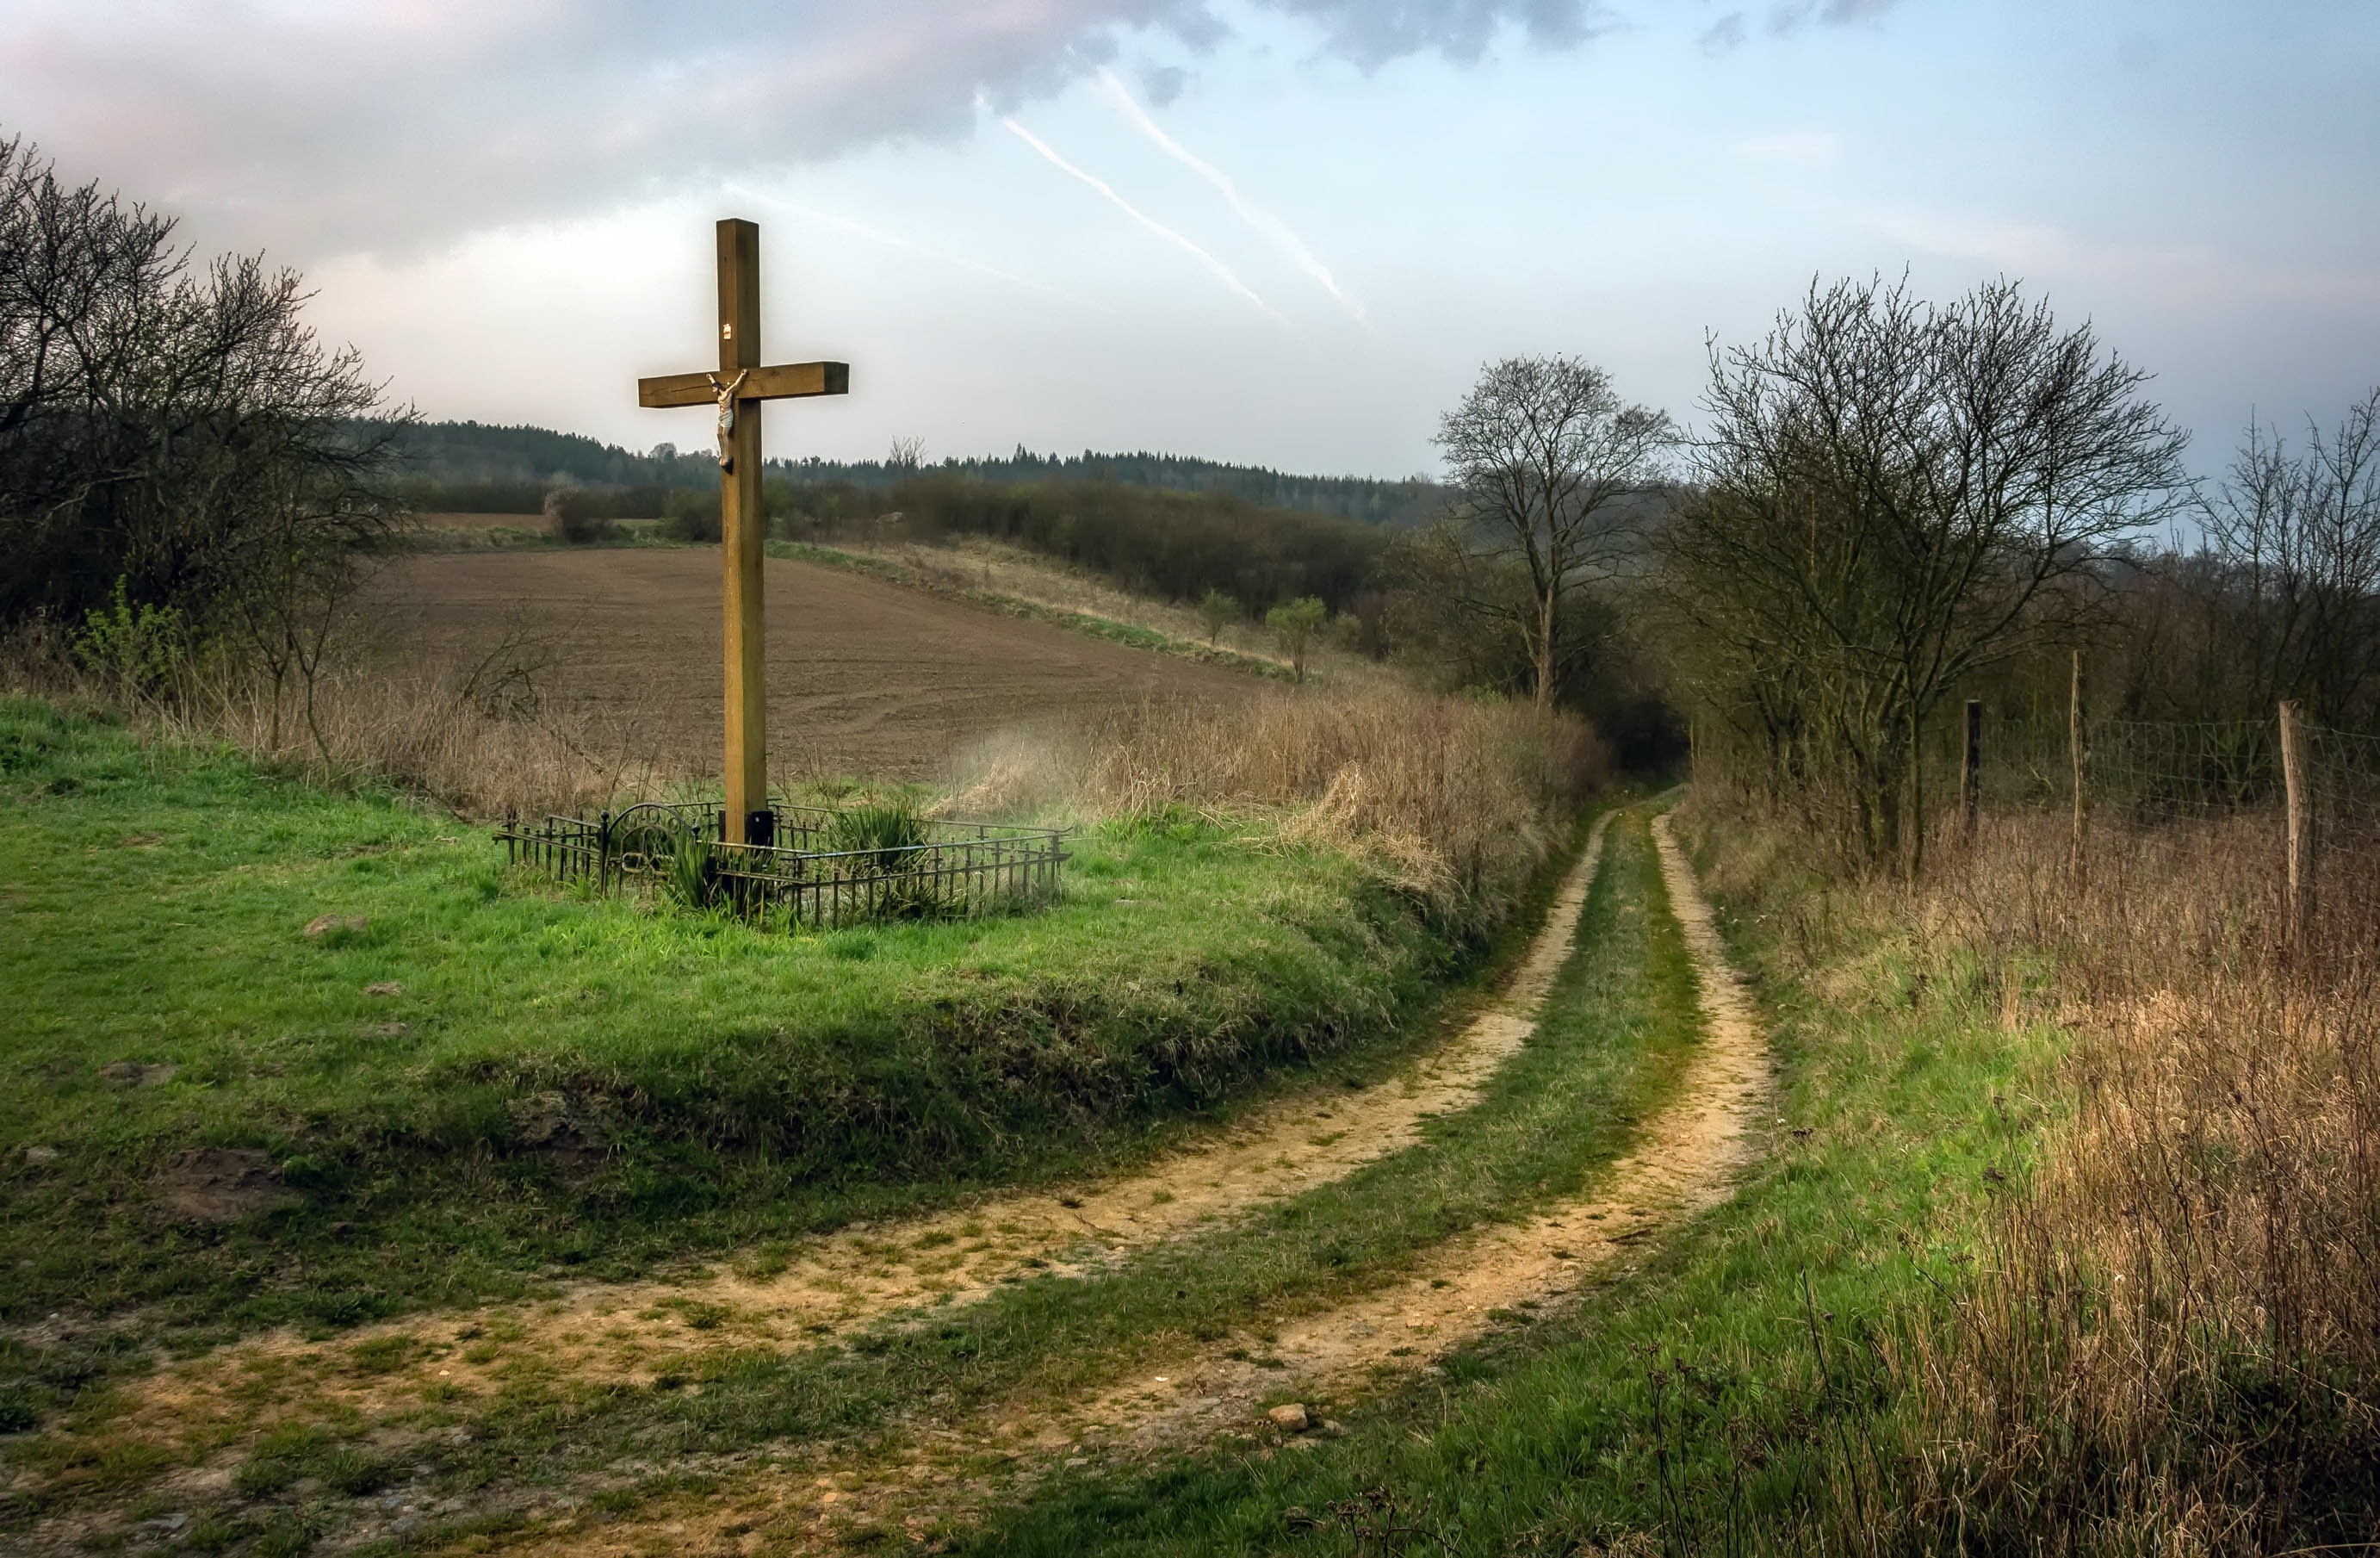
[
  {"x": 895, "y": 240},
  {"x": 1222, "y": 271},
  {"x": 1255, "y": 217}
]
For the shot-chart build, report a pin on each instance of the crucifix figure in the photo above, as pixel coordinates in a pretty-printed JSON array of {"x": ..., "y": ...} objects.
[{"x": 737, "y": 389}]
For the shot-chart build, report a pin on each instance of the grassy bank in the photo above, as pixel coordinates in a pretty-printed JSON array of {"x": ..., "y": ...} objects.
[
  {"x": 216, "y": 1121},
  {"x": 1617, "y": 1029}
]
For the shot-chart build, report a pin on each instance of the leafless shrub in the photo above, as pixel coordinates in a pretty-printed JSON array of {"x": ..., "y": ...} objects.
[{"x": 573, "y": 515}]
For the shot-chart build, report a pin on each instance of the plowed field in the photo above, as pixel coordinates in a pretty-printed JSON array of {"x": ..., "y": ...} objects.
[{"x": 865, "y": 678}]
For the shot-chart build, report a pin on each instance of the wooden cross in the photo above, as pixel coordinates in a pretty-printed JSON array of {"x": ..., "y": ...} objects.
[{"x": 737, "y": 390}]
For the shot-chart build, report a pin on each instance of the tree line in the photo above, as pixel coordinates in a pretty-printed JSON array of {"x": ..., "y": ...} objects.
[{"x": 468, "y": 468}]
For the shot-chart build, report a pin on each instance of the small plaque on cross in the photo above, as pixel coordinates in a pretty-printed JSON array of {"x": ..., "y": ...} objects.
[{"x": 736, "y": 390}]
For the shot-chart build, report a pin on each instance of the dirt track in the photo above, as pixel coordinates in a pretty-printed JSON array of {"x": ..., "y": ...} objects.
[
  {"x": 804, "y": 1494},
  {"x": 1687, "y": 1159},
  {"x": 634, "y": 1332},
  {"x": 866, "y": 678}
]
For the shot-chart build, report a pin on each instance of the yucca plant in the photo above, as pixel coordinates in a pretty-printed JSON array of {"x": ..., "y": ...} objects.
[
  {"x": 693, "y": 877},
  {"x": 884, "y": 836},
  {"x": 886, "y": 839}
]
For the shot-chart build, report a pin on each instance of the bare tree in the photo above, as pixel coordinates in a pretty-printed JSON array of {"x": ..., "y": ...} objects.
[
  {"x": 1547, "y": 459},
  {"x": 2297, "y": 540},
  {"x": 1893, "y": 496},
  {"x": 179, "y": 430}
]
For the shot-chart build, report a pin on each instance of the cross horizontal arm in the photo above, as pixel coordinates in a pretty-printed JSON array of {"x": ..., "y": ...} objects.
[{"x": 788, "y": 381}]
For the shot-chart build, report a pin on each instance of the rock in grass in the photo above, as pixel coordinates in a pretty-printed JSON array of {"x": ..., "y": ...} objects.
[{"x": 1290, "y": 1419}]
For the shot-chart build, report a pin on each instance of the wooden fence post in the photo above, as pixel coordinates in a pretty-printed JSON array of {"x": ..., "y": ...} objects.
[
  {"x": 2082, "y": 763},
  {"x": 2297, "y": 777},
  {"x": 1971, "y": 768}
]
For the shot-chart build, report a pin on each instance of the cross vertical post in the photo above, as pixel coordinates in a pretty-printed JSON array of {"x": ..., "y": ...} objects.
[
  {"x": 742, "y": 527},
  {"x": 735, "y": 393}
]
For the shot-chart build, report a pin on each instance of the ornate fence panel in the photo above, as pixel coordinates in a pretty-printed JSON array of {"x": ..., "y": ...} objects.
[{"x": 811, "y": 873}]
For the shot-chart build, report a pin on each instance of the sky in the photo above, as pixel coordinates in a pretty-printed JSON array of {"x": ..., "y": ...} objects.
[{"x": 1281, "y": 232}]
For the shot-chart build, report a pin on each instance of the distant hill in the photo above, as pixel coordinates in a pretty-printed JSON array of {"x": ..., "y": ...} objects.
[{"x": 448, "y": 456}]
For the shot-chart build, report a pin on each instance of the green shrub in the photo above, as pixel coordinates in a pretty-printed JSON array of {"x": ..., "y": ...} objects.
[
  {"x": 690, "y": 515},
  {"x": 694, "y": 878},
  {"x": 1294, "y": 626},
  {"x": 1218, "y": 611},
  {"x": 138, "y": 647},
  {"x": 19, "y": 1411}
]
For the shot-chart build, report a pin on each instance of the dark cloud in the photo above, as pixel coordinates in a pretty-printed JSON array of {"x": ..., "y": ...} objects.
[
  {"x": 1786, "y": 20},
  {"x": 409, "y": 121},
  {"x": 1723, "y": 36},
  {"x": 1162, "y": 83},
  {"x": 1372, "y": 32}
]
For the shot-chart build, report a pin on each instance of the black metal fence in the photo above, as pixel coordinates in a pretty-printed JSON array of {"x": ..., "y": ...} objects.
[{"x": 820, "y": 868}]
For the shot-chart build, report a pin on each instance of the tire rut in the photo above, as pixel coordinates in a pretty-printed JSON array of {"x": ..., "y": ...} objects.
[
  {"x": 1685, "y": 1161},
  {"x": 636, "y": 1333}
]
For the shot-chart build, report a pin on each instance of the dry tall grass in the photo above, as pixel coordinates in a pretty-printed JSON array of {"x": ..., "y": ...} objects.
[
  {"x": 2173, "y": 1342},
  {"x": 1454, "y": 799},
  {"x": 471, "y": 736},
  {"x": 2176, "y": 1347}
]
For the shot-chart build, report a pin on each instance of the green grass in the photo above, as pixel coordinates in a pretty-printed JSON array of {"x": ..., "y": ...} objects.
[
  {"x": 1727, "y": 1397},
  {"x": 1619, "y": 1028},
  {"x": 570, "y": 1084}
]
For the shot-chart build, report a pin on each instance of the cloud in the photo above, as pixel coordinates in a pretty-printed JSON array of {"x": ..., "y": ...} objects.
[
  {"x": 1221, "y": 272},
  {"x": 1163, "y": 84},
  {"x": 1724, "y": 36},
  {"x": 2196, "y": 273},
  {"x": 1372, "y": 32},
  {"x": 403, "y": 123},
  {"x": 1264, "y": 222},
  {"x": 1786, "y": 20}
]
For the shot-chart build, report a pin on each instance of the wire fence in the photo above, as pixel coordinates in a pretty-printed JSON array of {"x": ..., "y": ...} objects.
[{"x": 2322, "y": 809}]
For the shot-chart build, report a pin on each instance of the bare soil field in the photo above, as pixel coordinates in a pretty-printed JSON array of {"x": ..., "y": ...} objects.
[{"x": 866, "y": 678}]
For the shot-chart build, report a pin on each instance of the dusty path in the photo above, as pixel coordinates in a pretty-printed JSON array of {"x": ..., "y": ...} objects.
[
  {"x": 1685, "y": 1161},
  {"x": 634, "y": 1332}
]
